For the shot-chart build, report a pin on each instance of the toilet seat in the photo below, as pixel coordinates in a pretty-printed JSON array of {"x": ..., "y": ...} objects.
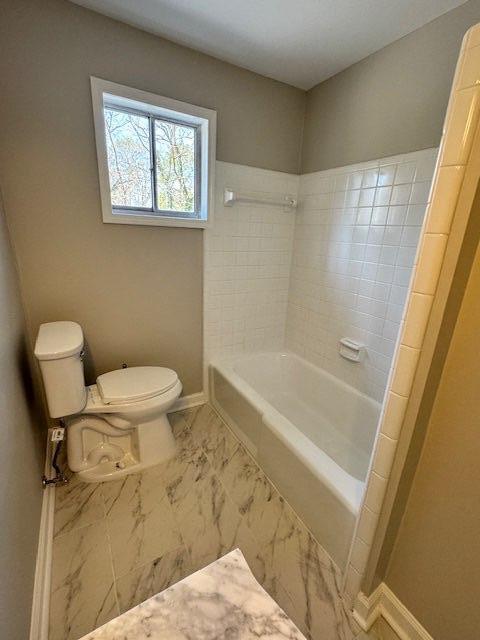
[
  {"x": 95, "y": 404},
  {"x": 134, "y": 384}
]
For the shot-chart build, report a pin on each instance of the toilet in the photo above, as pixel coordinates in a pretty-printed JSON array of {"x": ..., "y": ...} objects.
[{"x": 115, "y": 427}]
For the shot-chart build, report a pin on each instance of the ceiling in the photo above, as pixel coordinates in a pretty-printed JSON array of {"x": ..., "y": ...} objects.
[{"x": 301, "y": 42}]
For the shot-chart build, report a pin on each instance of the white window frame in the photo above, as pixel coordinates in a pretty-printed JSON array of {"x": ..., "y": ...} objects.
[{"x": 205, "y": 120}]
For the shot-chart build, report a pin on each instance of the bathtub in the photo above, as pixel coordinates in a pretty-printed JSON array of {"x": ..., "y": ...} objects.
[{"x": 311, "y": 433}]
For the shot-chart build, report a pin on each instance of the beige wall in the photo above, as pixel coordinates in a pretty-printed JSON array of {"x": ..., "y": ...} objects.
[
  {"x": 137, "y": 291},
  {"x": 392, "y": 102},
  {"x": 21, "y": 457},
  {"x": 434, "y": 566}
]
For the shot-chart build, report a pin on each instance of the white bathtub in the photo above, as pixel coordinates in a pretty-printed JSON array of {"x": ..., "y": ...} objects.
[{"x": 311, "y": 433}]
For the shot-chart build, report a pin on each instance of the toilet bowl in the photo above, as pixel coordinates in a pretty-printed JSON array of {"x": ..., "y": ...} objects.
[{"x": 115, "y": 427}]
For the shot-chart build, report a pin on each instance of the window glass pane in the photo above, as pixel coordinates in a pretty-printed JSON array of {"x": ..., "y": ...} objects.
[
  {"x": 175, "y": 166},
  {"x": 128, "y": 151}
]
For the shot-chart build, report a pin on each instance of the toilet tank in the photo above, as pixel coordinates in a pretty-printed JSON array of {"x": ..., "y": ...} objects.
[{"x": 59, "y": 351}]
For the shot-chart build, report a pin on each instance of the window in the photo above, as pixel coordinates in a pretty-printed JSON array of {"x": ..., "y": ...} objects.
[{"x": 155, "y": 157}]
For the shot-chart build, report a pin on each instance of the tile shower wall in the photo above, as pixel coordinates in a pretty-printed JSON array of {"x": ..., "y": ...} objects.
[
  {"x": 356, "y": 234},
  {"x": 248, "y": 254}
]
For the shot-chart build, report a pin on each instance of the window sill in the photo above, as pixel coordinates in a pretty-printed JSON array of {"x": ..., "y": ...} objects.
[{"x": 141, "y": 218}]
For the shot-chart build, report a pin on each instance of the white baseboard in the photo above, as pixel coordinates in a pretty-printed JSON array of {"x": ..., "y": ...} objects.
[
  {"x": 43, "y": 568},
  {"x": 187, "y": 402},
  {"x": 383, "y": 602}
]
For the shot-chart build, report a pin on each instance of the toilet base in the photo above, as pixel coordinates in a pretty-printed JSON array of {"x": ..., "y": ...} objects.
[{"x": 152, "y": 443}]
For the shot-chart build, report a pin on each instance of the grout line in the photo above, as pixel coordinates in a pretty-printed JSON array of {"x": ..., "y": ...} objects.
[{"x": 110, "y": 552}]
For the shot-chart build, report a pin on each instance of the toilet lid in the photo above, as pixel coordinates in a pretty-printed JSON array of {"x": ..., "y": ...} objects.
[{"x": 135, "y": 383}]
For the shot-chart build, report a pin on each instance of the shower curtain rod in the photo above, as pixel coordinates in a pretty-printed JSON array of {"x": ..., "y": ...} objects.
[{"x": 230, "y": 197}]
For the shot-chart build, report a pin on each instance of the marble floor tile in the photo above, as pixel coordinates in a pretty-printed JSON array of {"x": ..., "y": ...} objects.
[
  {"x": 153, "y": 577},
  {"x": 208, "y": 519},
  {"x": 257, "y": 560},
  {"x": 134, "y": 494},
  {"x": 182, "y": 433},
  {"x": 210, "y": 433},
  {"x": 121, "y": 542},
  {"x": 285, "y": 600},
  {"x": 312, "y": 586},
  {"x": 83, "y": 595},
  {"x": 244, "y": 481},
  {"x": 76, "y": 505},
  {"x": 181, "y": 476},
  {"x": 142, "y": 535}
]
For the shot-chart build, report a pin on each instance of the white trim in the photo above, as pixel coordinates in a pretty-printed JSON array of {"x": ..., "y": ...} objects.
[
  {"x": 43, "y": 570},
  {"x": 187, "y": 402},
  {"x": 206, "y": 119},
  {"x": 383, "y": 602}
]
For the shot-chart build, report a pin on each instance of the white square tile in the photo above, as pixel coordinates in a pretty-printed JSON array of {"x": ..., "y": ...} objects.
[
  {"x": 364, "y": 215},
  {"x": 394, "y": 312},
  {"x": 410, "y": 236},
  {"x": 385, "y": 273},
  {"x": 398, "y": 294},
  {"x": 375, "y": 234},
  {"x": 338, "y": 200},
  {"x": 367, "y": 197},
  {"x": 397, "y": 215},
  {"x": 386, "y": 175},
  {"x": 379, "y": 215},
  {"x": 402, "y": 276},
  {"x": 426, "y": 166},
  {"x": 420, "y": 192},
  {"x": 415, "y": 214},
  {"x": 392, "y": 236},
  {"x": 360, "y": 234},
  {"x": 341, "y": 182},
  {"x": 373, "y": 253},
  {"x": 382, "y": 196},
  {"x": 369, "y": 270},
  {"x": 355, "y": 180},
  {"x": 405, "y": 173},
  {"x": 406, "y": 256},
  {"x": 352, "y": 198},
  {"x": 401, "y": 194},
  {"x": 370, "y": 178},
  {"x": 390, "y": 330},
  {"x": 388, "y": 254}
]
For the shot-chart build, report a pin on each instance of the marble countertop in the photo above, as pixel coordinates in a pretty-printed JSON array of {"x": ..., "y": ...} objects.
[{"x": 223, "y": 600}]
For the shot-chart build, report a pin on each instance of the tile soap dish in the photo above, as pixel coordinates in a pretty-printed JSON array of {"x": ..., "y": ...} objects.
[{"x": 351, "y": 350}]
